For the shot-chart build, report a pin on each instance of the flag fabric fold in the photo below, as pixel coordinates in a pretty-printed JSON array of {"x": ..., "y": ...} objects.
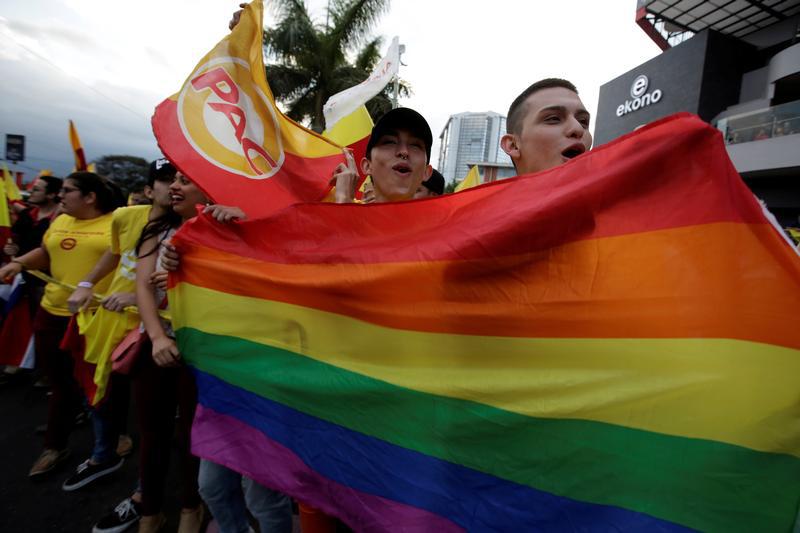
[
  {"x": 225, "y": 132},
  {"x": 344, "y": 103},
  {"x": 602, "y": 345}
]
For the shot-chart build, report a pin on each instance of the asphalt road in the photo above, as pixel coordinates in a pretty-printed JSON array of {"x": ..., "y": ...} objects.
[{"x": 42, "y": 506}]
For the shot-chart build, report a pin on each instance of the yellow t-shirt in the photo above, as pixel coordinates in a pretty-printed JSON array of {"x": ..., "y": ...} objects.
[
  {"x": 106, "y": 329},
  {"x": 126, "y": 227},
  {"x": 74, "y": 246}
]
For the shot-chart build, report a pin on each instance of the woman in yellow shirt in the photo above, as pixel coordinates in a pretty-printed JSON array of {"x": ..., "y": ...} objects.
[{"x": 74, "y": 242}]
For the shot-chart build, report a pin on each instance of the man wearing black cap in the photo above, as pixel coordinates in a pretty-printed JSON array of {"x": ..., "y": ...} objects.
[
  {"x": 398, "y": 155},
  {"x": 431, "y": 187}
]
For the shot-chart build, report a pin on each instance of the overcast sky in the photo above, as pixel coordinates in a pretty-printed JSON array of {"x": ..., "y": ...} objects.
[{"x": 106, "y": 64}]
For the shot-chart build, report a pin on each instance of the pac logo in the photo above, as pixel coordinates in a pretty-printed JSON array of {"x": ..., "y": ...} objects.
[
  {"x": 68, "y": 243},
  {"x": 234, "y": 127}
]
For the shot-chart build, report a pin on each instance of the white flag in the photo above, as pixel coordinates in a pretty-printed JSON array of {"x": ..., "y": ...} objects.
[{"x": 342, "y": 104}]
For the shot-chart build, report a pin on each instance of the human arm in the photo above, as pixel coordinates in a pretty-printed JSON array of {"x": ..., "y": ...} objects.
[
  {"x": 119, "y": 301},
  {"x": 224, "y": 213},
  {"x": 82, "y": 296},
  {"x": 236, "y": 16},
  {"x": 345, "y": 179},
  {"x": 36, "y": 259},
  {"x": 165, "y": 351}
]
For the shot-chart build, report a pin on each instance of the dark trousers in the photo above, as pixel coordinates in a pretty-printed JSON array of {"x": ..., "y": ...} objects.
[
  {"x": 158, "y": 393},
  {"x": 66, "y": 398}
]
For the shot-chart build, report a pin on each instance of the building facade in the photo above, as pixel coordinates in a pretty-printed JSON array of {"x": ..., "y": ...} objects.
[
  {"x": 470, "y": 139},
  {"x": 736, "y": 64}
]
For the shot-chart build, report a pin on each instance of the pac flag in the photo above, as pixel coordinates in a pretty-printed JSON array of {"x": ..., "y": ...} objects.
[
  {"x": 77, "y": 149},
  {"x": 600, "y": 346},
  {"x": 472, "y": 179},
  {"x": 224, "y": 131}
]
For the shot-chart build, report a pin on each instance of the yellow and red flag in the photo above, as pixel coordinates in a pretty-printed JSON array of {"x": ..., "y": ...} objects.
[
  {"x": 472, "y": 179},
  {"x": 353, "y": 131},
  {"x": 77, "y": 149},
  {"x": 224, "y": 131},
  {"x": 5, "y": 218},
  {"x": 11, "y": 188}
]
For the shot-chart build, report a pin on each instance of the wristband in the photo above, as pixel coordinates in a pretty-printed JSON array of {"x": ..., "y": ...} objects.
[
  {"x": 20, "y": 263},
  {"x": 85, "y": 284}
]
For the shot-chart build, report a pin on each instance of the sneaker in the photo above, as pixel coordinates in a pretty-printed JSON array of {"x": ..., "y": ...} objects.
[
  {"x": 88, "y": 472},
  {"x": 124, "y": 445},
  {"x": 48, "y": 461},
  {"x": 124, "y": 516}
]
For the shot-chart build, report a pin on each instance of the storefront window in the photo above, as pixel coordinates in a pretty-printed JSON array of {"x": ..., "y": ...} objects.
[{"x": 763, "y": 124}]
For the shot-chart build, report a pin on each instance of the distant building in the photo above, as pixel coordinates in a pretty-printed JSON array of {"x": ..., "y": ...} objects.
[
  {"x": 474, "y": 139},
  {"x": 736, "y": 65}
]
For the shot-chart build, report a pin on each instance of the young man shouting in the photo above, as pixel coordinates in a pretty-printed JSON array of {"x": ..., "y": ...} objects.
[{"x": 547, "y": 125}]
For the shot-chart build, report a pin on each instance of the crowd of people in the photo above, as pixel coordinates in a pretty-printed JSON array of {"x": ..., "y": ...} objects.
[{"x": 108, "y": 264}]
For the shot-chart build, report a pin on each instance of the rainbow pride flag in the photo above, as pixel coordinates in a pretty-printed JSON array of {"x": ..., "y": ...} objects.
[{"x": 604, "y": 346}]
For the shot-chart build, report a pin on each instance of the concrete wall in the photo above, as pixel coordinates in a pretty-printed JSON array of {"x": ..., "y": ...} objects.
[{"x": 774, "y": 153}]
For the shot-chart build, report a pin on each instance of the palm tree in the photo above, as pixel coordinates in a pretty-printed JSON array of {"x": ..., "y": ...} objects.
[{"x": 310, "y": 60}]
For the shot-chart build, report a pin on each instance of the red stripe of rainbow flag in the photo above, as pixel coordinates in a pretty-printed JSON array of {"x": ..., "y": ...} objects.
[{"x": 601, "y": 345}]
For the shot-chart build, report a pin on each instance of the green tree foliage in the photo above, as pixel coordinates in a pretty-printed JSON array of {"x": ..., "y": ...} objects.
[
  {"x": 310, "y": 62},
  {"x": 450, "y": 186},
  {"x": 129, "y": 172}
]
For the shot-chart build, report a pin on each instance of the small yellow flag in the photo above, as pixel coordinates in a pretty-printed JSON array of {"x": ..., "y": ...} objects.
[
  {"x": 472, "y": 179},
  {"x": 11, "y": 189},
  {"x": 5, "y": 218}
]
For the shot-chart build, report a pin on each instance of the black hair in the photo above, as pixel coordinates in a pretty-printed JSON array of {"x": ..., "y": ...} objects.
[
  {"x": 53, "y": 184},
  {"x": 517, "y": 109},
  {"x": 156, "y": 228},
  {"x": 109, "y": 195}
]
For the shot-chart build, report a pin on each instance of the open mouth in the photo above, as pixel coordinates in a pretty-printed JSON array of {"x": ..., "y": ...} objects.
[
  {"x": 574, "y": 151},
  {"x": 174, "y": 198},
  {"x": 402, "y": 168}
]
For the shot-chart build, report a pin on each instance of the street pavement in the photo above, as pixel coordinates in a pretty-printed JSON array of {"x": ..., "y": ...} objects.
[{"x": 28, "y": 506}]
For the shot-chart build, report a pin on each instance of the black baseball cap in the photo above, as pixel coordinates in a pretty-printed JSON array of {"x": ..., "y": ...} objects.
[
  {"x": 160, "y": 169},
  {"x": 435, "y": 183},
  {"x": 402, "y": 118}
]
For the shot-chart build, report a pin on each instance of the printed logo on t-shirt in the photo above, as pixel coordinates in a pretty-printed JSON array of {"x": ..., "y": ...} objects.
[
  {"x": 68, "y": 243},
  {"x": 127, "y": 265}
]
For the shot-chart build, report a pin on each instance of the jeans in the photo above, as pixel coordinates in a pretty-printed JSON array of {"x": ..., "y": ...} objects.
[
  {"x": 225, "y": 492},
  {"x": 105, "y": 433}
]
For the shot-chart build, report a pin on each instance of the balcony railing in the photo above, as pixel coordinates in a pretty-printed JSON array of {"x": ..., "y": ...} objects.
[{"x": 775, "y": 121}]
